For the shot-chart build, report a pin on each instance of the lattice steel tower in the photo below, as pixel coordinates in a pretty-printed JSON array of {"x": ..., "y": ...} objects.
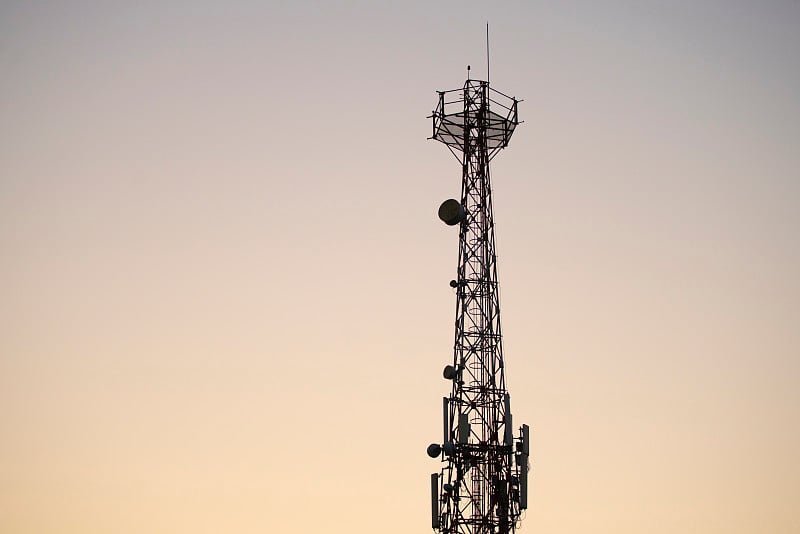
[{"x": 483, "y": 486}]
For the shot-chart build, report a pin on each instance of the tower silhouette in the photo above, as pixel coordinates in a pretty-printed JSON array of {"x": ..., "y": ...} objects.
[{"x": 483, "y": 484}]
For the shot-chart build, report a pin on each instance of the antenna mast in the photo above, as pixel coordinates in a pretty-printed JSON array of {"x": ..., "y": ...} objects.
[{"x": 482, "y": 487}]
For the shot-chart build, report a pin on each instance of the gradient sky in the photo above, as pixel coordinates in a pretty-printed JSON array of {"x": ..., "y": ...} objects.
[{"x": 225, "y": 301}]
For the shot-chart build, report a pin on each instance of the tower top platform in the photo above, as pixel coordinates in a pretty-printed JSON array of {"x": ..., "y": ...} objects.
[{"x": 475, "y": 109}]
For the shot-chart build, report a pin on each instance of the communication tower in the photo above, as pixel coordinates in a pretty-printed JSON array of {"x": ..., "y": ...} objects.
[{"x": 483, "y": 484}]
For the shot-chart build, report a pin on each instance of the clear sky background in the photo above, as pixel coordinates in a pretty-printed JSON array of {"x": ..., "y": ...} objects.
[{"x": 224, "y": 289}]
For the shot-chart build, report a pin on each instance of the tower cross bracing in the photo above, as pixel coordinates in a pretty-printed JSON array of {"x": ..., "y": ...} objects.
[{"x": 482, "y": 486}]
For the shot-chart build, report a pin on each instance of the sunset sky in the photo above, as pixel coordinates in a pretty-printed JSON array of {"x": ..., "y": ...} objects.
[{"x": 224, "y": 300}]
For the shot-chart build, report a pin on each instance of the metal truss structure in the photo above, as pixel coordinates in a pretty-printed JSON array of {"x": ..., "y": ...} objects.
[{"x": 482, "y": 487}]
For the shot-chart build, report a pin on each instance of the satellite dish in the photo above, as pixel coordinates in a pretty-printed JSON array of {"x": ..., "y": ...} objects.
[
  {"x": 434, "y": 450},
  {"x": 450, "y": 372},
  {"x": 451, "y": 212}
]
